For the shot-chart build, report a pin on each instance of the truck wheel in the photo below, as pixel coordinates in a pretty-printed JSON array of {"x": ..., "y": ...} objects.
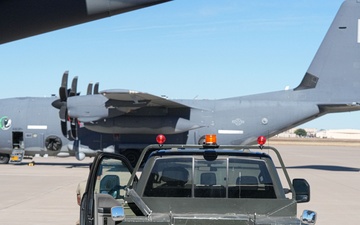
[
  {"x": 132, "y": 155},
  {"x": 4, "y": 159}
]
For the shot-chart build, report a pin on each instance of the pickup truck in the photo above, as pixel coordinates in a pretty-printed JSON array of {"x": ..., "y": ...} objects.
[{"x": 206, "y": 184}]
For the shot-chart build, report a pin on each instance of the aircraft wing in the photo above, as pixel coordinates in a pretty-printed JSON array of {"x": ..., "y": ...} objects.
[
  {"x": 139, "y": 98},
  {"x": 120, "y": 111},
  {"x": 113, "y": 103},
  {"x": 21, "y": 19}
]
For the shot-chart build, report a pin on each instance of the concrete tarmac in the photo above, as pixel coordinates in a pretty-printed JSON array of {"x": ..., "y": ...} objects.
[
  {"x": 45, "y": 193},
  {"x": 41, "y": 194},
  {"x": 334, "y": 176}
]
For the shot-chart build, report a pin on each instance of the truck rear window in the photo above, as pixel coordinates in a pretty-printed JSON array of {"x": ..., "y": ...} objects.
[{"x": 222, "y": 178}]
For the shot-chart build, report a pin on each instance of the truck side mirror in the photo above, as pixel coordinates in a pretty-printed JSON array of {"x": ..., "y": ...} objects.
[
  {"x": 117, "y": 213},
  {"x": 302, "y": 190}
]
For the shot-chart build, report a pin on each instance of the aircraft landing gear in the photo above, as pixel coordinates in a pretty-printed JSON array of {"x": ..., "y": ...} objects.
[{"x": 4, "y": 158}]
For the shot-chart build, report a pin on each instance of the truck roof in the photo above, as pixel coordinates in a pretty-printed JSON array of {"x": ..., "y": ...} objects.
[{"x": 201, "y": 151}]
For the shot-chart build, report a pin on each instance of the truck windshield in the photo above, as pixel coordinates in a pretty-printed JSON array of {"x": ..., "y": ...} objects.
[{"x": 196, "y": 177}]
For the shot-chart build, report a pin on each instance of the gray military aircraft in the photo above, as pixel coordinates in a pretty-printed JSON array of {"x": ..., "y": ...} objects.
[
  {"x": 21, "y": 19},
  {"x": 330, "y": 85},
  {"x": 29, "y": 126}
]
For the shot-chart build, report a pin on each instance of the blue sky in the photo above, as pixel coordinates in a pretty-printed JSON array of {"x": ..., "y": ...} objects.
[{"x": 183, "y": 49}]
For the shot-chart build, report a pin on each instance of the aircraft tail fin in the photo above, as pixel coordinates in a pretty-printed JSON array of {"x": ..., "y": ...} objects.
[{"x": 335, "y": 70}]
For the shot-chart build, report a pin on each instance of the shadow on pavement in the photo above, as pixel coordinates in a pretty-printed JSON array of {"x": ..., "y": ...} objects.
[
  {"x": 67, "y": 165},
  {"x": 327, "y": 168}
]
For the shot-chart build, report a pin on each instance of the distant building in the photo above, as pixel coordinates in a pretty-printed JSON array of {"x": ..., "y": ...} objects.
[
  {"x": 333, "y": 134},
  {"x": 339, "y": 134},
  {"x": 287, "y": 134}
]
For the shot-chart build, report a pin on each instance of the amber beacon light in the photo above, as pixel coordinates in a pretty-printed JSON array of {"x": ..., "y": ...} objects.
[{"x": 210, "y": 139}]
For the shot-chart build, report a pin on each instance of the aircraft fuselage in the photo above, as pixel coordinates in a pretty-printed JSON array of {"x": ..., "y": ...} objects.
[{"x": 31, "y": 125}]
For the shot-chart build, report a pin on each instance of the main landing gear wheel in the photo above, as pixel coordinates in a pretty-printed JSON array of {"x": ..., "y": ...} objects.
[{"x": 4, "y": 159}]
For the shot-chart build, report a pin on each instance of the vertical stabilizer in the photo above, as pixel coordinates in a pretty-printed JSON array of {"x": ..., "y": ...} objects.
[{"x": 335, "y": 69}]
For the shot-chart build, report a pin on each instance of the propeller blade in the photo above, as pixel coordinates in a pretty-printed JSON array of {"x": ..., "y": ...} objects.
[
  {"x": 63, "y": 88},
  {"x": 74, "y": 128},
  {"x": 63, "y": 118},
  {"x": 66, "y": 121},
  {"x": 96, "y": 88},
  {"x": 76, "y": 147},
  {"x": 64, "y": 128},
  {"x": 63, "y": 113},
  {"x": 89, "y": 89},
  {"x": 73, "y": 87}
]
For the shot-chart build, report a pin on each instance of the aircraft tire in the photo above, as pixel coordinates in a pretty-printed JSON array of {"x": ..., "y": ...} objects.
[
  {"x": 132, "y": 155},
  {"x": 4, "y": 158}
]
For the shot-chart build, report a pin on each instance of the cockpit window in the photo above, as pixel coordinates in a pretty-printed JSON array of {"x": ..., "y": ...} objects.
[{"x": 223, "y": 178}]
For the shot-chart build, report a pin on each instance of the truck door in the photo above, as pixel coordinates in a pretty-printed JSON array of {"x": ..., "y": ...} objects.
[{"x": 105, "y": 188}]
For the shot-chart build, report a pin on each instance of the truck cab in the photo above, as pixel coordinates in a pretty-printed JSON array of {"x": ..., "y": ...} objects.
[{"x": 194, "y": 184}]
